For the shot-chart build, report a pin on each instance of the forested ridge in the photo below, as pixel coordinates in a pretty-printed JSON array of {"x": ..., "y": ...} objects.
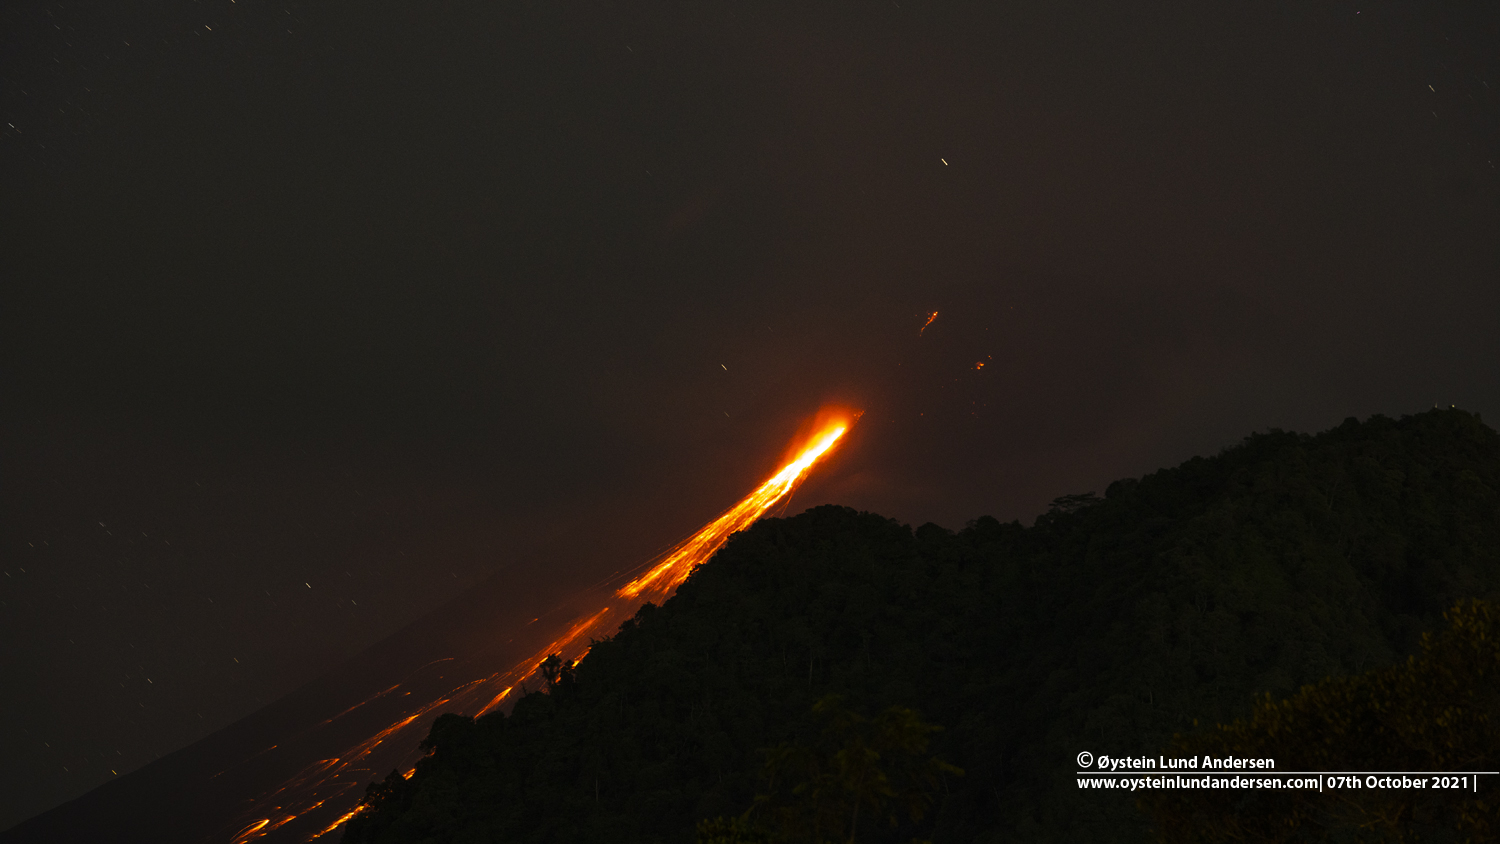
[{"x": 1109, "y": 625}]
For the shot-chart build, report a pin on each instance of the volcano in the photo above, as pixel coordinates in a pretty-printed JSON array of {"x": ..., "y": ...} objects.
[{"x": 295, "y": 770}]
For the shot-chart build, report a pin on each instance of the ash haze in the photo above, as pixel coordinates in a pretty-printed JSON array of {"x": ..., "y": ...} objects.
[{"x": 316, "y": 315}]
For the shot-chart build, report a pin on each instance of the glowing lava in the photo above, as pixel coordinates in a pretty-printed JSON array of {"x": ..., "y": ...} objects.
[
  {"x": 333, "y": 779},
  {"x": 930, "y": 317},
  {"x": 696, "y": 549}
]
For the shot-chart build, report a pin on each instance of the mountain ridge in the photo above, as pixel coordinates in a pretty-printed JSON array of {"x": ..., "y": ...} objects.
[{"x": 1107, "y": 625}]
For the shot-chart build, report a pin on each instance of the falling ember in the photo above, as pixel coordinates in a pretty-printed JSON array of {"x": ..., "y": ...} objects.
[
  {"x": 320, "y": 782},
  {"x": 340, "y": 822},
  {"x": 930, "y": 317},
  {"x": 251, "y": 831}
]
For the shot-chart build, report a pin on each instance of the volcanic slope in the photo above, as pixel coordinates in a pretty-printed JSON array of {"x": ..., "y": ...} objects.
[{"x": 1107, "y": 626}]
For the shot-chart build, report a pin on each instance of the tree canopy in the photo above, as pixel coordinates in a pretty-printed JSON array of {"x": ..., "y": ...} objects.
[
  {"x": 1439, "y": 710},
  {"x": 872, "y": 769}
]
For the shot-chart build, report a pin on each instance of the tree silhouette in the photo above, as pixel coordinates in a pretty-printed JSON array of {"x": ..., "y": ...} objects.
[
  {"x": 858, "y": 768},
  {"x": 1437, "y": 711},
  {"x": 558, "y": 672},
  {"x": 1075, "y": 502}
]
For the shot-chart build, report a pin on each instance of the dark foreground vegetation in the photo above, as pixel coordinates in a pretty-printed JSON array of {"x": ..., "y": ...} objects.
[
  {"x": 1434, "y": 712},
  {"x": 968, "y": 670}
]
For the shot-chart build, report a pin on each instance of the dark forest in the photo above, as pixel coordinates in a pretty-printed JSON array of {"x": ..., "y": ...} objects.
[{"x": 1288, "y": 574}]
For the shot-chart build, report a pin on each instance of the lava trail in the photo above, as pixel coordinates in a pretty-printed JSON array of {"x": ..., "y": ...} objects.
[{"x": 329, "y": 789}]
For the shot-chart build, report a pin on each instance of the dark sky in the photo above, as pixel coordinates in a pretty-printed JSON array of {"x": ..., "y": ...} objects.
[{"x": 315, "y": 314}]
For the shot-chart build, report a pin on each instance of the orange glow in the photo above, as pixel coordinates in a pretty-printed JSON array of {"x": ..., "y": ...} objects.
[
  {"x": 250, "y": 831},
  {"x": 329, "y": 779},
  {"x": 565, "y": 645},
  {"x": 338, "y": 823},
  {"x": 930, "y": 317},
  {"x": 694, "y": 551}
]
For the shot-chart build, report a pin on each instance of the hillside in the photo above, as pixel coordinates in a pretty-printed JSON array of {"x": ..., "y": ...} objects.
[{"x": 1107, "y": 626}]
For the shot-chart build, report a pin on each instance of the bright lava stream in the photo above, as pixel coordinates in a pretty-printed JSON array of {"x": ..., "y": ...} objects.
[{"x": 328, "y": 779}]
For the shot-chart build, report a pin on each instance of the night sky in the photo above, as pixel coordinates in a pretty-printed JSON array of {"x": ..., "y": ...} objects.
[{"x": 317, "y": 314}]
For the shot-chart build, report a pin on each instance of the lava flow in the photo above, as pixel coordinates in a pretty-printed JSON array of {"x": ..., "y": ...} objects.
[
  {"x": 692, "y": 552},
  {"x": 328, "y": 782}
]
